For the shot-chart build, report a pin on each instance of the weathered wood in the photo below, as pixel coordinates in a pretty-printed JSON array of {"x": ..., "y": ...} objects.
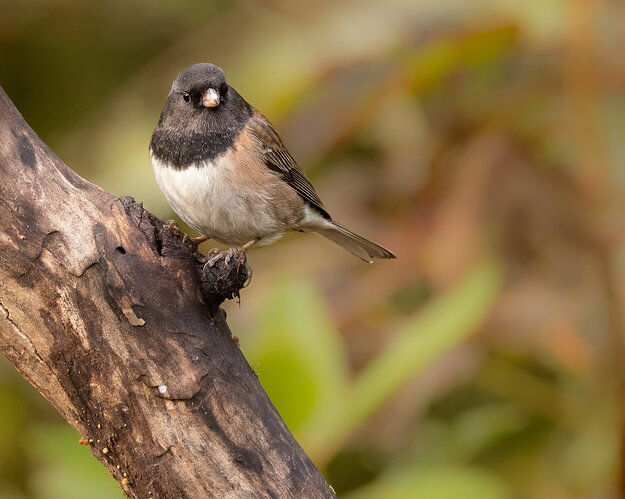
[{"x": 101, "y": 310}]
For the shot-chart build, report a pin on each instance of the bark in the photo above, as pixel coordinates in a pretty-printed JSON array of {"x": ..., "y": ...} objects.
[{"x": 107, "y": 312}]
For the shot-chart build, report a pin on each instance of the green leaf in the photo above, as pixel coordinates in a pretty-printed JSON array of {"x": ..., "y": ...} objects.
[
  {"x": 446, "y": 322},
  {"x": 299, "y": 357}
]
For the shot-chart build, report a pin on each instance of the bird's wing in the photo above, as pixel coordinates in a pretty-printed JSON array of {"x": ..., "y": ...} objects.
[{"x": 278, "y": 159}]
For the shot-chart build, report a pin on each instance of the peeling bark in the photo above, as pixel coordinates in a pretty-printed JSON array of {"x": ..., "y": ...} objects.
[{"x": 108, "y": 313}]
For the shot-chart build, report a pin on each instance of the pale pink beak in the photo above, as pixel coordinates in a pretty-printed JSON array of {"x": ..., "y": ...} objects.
[{"x": 210, "y": 98}]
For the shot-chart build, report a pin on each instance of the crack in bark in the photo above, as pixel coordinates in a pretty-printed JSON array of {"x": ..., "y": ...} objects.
[
  {"x": 19, "y": 331},
  {"x": 159, "y": 458}
]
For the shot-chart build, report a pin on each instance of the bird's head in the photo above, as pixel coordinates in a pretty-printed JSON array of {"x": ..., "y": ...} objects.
[{"x": 201, "y": 86}]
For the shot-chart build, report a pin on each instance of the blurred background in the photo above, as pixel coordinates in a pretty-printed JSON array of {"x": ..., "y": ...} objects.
[{"x": 482, "y": 141}]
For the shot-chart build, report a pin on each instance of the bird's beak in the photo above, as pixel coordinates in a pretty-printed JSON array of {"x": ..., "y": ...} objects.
[{"x": 210, "y": 98}]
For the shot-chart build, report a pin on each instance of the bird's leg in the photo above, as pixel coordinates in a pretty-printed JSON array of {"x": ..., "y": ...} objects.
[
  {"x": 249, "y": 244},
  {"x": 214, "y": 253},
  {"x": 248, "y": 269},
  {"x": 199, "y": 240}
]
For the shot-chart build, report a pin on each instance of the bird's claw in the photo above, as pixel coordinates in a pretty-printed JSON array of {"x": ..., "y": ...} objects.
[
  {"x": 234, "y": 255},
  {"x": 213, "y": 255},
  {"x": 249, "y": 272}
]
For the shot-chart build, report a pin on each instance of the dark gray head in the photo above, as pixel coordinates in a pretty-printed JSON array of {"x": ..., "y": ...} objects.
[
  {"x": 201, "y": 118},
  {"x": 201, "y": 85}
]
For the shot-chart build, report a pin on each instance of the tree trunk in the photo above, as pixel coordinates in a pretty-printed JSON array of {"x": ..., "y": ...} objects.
[{"x": 108, "y": 313}]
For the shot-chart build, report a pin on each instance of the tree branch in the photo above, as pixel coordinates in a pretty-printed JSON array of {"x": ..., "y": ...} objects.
[{"x": 106, "y": 311}]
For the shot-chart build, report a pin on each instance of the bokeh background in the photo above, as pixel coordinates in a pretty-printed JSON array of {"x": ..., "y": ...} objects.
[{"x": 481, "y": 140}]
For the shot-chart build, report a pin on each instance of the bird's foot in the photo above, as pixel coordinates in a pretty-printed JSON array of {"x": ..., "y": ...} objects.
[
  {"x": 224, "y": 273},
  {"x": 232, "y": 255},
  {"x": 232, "y": 258}
]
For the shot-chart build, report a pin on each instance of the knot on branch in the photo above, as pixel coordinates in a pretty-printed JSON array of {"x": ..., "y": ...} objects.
[{"x": 221, "y": 275}]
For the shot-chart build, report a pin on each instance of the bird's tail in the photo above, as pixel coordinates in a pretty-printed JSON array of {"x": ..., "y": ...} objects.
[{"x": 355, "y": 244}]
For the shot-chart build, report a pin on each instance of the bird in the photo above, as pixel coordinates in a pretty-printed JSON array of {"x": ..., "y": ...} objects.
[{"x": 225, "y": 171}]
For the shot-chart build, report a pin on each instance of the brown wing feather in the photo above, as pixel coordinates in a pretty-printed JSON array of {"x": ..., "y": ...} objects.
[{"x": 278, "y": 159}]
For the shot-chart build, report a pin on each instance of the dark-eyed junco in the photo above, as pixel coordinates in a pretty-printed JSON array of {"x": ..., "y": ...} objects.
[{"x": 225, "y": 171}]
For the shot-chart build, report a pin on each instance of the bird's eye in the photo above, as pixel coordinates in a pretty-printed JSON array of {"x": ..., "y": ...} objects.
[{"x": 186, "y": 97}]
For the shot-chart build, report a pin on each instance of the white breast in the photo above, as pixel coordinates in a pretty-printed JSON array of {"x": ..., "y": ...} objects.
[{"x": 210, "y": 198}]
